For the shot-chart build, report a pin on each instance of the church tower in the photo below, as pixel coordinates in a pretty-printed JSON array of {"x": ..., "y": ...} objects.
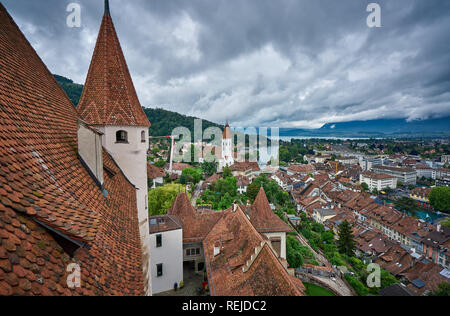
[
  {"x": 227, "y": 149},
  {"x": 110, "y": 104}
]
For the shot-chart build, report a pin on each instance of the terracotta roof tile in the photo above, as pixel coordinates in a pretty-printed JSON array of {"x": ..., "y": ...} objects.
[
  {"x": 263, "y": 218},
  {"x": 109, "y": 96},
  {"x": 46, "y": 193},
  {"x": 240, "y": 271}
]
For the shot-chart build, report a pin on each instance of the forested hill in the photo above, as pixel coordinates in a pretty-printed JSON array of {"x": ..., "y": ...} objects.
[
  {"x": 72, "y": 89},
  {"x": 163, "y": 122}
]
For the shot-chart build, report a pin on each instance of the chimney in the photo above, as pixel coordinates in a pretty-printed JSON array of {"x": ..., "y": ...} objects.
[
  {"x": 90, "y": 151},
  {"x": 248, "y": 208},
  {"x": 217, "y": 249},
  {"x": 439, "y": 226}
]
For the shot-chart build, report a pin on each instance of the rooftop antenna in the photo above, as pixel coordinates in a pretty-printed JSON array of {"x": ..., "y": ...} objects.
[{"x": 107, "y": 7}]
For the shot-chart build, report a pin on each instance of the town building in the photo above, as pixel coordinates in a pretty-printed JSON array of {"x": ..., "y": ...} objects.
[
  {"x": 166, "y": 249},
  {"x": 155, "y": 176},
  {"x": 65, "y": 201},
  {"x": 242, "y": 184},
  {"x": 109, "y": 103},
  {"x": 405, "y": 175},
  {"x": 421, "y": 196},
  {"x": 248, "y": 240},
  {"x": 423, "y": 171},
  {"x": 348, "y": 161},
  {"x": 378, "y": 181},
  {"x": 322, "y": 215}
]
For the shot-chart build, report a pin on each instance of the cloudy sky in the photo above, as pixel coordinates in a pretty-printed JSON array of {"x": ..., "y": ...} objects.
[{"x": 285, "y": 63}]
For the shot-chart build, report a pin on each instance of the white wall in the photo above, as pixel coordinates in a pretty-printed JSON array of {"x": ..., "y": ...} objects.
[
  {"x": 132, "y": 159},
  {"x": 171, "y": 256},
  {"x": 283, "y": 242}
]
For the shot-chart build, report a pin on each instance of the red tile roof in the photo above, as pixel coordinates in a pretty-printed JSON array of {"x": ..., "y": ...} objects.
[
  {"x": 154, "y": 172},
  {"x": 263, "y": 218},
  {"x": 239, "y": 270},
  {"x": 109, "y": 96},
  {"x": 196, "y": 225},
  {"x": 45, "y": 191}
]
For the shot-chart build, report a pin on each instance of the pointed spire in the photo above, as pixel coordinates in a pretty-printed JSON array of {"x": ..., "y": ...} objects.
[
  {"x": 109, "y": 97},
  {"x": 107, "y": 7}
]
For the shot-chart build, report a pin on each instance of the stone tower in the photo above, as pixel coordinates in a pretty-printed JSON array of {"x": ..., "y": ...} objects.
[{"x": 110, "y": 104}]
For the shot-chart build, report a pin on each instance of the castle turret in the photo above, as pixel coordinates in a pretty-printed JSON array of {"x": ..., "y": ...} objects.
[{"x": 110, "y": 104}]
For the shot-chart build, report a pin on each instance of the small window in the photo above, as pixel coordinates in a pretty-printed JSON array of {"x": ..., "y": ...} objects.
[
  {"x": 159, "y": 270},
  {"x": 122, "y": 137},
  {"x": 158, "y": 241},
  {"x": 143, "y": 138}
]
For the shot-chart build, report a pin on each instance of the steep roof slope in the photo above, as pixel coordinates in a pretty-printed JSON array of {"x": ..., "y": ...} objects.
[
  {"x": 263, "y": 218},
  {"x": 246, "y": 264},
  {"x": 109, "y": 96},
  {"x": 48, "y": 201},
  {"x": 196, "y": 225}
]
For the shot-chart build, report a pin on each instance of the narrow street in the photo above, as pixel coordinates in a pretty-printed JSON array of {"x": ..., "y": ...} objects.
[{"x": 196, "y": 193}]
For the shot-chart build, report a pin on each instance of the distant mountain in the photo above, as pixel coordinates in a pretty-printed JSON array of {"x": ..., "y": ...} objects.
[
  {"x": 377, "y": 128},
  {"x": 163, "y": 122},
  {"x": 73, "y": 90}
]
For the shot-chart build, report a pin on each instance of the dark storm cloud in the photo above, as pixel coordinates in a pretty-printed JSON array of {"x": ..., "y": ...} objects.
[{"x": 290, "y": 63}]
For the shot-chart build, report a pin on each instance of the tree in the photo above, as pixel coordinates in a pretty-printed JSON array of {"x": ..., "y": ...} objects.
[
  {"x": 209, "y": 168},
  {"x": 443, "y": 290},
  {"x": 346, "y": 243},
  {"x": 446, "y": 222},
  {"x": 162, "y": 198},
  {"x": 191, "y": 175},
  {"x": 440, "y": 199},
  {"x": 160, "y": 164},
  {"x": 365, "y": 186},
  {"x": 253, "y": 190},
  {"x": 226, "y": 173}
]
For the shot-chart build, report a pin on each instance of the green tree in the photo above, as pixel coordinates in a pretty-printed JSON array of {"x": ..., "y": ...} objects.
[
  {"x": 160, "y": 164},
  {"x": 191, "y": 175},
  {"x": 443, "y": 290},
  {"x": 440, "y": 199},
  {"x": 346, "y": 243},
  {"x": 226, "y": 173},
  {"x": 446, "y": 222},
  {"x": 209, "y": 168},
  {"x": 162, "y": 198},
  {"x": 365, "y": 186}
]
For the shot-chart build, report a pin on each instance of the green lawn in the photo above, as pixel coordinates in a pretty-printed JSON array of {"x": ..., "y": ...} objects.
[{"x": 314, "y": 290}]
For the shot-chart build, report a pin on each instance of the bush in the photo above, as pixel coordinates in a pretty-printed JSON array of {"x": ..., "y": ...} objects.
[{"x": 357, "y": 285}]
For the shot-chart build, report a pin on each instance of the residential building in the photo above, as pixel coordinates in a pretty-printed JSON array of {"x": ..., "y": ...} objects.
[
  {"x": 245, "y": 239},
  {"x": 155, "y": 176},
  {"x": 166, "y": 248},
  {"x": 405, "y": 175},
  {"x": 378, "y": 181},
  {"x": 247, "y": 169},
  {"x": 242, "y": 184},
  {"x": 445, "y": 159},
  {"x": 423, "y": 171},
  {"x": 348, "y": 161},
  {"x": 421, "y": 196},
  {"x": 322, "y": 215}
]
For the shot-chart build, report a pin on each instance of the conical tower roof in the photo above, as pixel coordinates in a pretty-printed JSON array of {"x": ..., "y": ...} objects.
[{"x": 109, "y": 96}]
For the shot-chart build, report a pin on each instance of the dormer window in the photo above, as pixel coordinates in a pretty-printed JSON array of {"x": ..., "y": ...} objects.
[
  {"x": 122, "y": 137},
  {"x": 143, "y": 140}
]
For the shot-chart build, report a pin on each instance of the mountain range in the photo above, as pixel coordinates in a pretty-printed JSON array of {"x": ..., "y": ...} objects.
[{"x": 163, "y": 122}]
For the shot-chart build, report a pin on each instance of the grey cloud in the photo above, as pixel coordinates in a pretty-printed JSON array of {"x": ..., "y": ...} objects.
[{"x": 291, "y": 63}]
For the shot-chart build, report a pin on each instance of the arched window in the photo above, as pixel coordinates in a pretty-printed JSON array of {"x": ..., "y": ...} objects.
[
  {"x": 122, "y": 137},
  {"x": 143, "y": 140}
]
